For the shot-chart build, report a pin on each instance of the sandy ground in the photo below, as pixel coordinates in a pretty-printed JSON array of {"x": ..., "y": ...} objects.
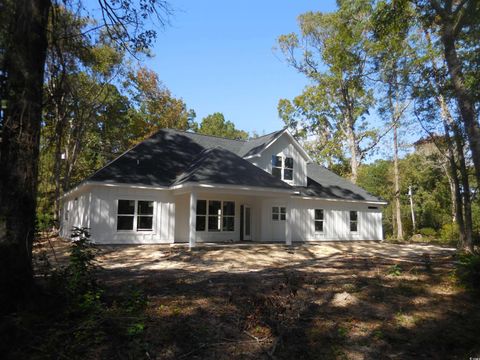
[
  {"x": 247, "y": 258},
  {"x": 334, "y": 300}
]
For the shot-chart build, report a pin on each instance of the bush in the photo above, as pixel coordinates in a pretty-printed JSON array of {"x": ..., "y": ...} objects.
[
  {"x": 428, "y": 232},
  {"x": 45, "y": 222},
  {"x": 449, "y": 233},
  {"x": 468, "y": 270}
]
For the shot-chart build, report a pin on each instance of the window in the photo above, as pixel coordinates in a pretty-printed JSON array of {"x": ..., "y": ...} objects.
[
  {"x": 279, "y": 213},
  {"x": 319, "y": 220},
  {"x": 282, "y": 167},
  {"x": 133, "y": 214},
  {"x": 215, "y": 215},
  {"x": 288, "y": 169},
  {"x": 201, "y": 215},
  {"x": 277, "y": 166},
  {"x": 353, "y": 221},
  {"x": 145, "y": 215},
  {"x": 228, "y": 216}
]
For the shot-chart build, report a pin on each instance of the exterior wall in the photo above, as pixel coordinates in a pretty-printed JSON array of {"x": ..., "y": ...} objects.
[
  {"x": 272, "y": 230},
  {"x": 284, "y": 146},
  {"x": 96, "y": 208},
  {"x": 104, "y": 216},
  {"x": 78, "y": 207},
  {"x": 182, "y": 218},
  {"x": 336, "y": 221}
]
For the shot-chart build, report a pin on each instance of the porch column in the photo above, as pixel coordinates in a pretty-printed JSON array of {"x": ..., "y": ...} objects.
[
  {"x": 288, "y": 223},
  {"x": 192, "y": 235}
]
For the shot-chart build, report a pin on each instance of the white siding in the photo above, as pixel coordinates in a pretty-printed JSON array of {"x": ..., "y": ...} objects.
[
  {"x": 336, "y": 221},
  {"x": 78, "y": 207},
  {"x": 104, "y": 216},
  {"x": 284, "y": 146}
]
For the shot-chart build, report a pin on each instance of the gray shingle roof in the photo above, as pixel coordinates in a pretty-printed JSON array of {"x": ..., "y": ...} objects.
[
  {"x": 256, "y": 146},
  {"x": 171, "y": 157},
  {"x": 323, "y": 183},
  {"x": 220, "y": 166}
]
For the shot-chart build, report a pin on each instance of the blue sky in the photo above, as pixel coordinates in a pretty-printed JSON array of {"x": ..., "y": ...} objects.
[{"x": 217, "y": 56}]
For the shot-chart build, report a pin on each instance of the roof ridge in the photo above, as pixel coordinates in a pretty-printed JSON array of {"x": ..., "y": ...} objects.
[
  {"x": 214, "y": 136},
  {"x": 190, "y": 169},
  {"x": 270, "y": 133}
]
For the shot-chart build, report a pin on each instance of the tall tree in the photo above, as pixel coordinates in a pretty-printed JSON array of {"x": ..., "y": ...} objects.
[
  {"x": 21, "y": 96},
  {"x": 215, "y": 124},
  {"x": 156, "y": 106},
  {"x": 22, "y": 67},
  {"x": 332, "y": 52},
  {"x": 454, "y": 21},
  {"x": 391, "y": 51}
]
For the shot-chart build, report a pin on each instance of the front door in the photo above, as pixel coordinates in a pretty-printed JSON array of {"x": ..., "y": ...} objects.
[
  {"x": 278, "y": 219},
  {"x": 247, "y": 223}
]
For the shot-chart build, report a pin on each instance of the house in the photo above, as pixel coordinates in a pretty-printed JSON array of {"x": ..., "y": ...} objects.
[{"x": 182, "y": 187}]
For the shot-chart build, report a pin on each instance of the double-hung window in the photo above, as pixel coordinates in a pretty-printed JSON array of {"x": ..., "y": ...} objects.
[
  {"x": 319, "y": 218},
  {"x": 215, "y": 215},
  {"x": 353, "y": 221},
  {"x": 134, "y": 214},
  {"x": 282, "y": 167},
  {"x": 279, "y": 213}
]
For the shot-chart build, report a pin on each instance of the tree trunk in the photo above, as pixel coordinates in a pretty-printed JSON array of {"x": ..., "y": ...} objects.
[
  {"x": 398, "y": 209},
  {"x": 464, "y": 101},
  {"x": 24, "y": 65},
  {"x": 354, "y": 152},
  {"x": 467, "y": 204}
]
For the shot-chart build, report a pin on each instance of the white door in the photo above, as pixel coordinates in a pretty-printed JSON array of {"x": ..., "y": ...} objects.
[
  {"x": 247, "y": 223},
  {"x": 278, "y": 218}
]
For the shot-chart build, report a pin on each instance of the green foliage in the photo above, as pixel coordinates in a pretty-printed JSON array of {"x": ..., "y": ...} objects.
[
  {"x": 449, "y": 233},
  {"x": 81, "y": 288},
  {"x": 468, "y": 270},
  {"x": 216, "y": 125},
  {"x": 395, "y": 270},
  {"x": 74, "y": 317},
  {"x": 428, "y": 232},
  {"x": 331, "y": 51},
  {"x": 45, "y": 222}
]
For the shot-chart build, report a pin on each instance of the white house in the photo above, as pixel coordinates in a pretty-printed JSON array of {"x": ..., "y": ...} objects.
[{"x": 179, "y": 187}]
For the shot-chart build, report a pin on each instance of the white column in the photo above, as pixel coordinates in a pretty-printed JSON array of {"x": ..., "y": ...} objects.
[
  {"x": 192, "y": 237},
  {"x": 288, "y": 223}
]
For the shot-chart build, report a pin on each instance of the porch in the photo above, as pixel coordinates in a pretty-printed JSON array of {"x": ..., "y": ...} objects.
[{"x": 226, "y": 216}]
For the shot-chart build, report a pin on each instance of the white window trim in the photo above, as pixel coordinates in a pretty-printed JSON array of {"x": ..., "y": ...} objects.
[
  {"x": 282, "y": 168},
  {"x": 135, "y": 217},
  {"x": 315, "y": 220},
  {"x": 221, "y": 216},
  {"x": 279, "y": 213}
]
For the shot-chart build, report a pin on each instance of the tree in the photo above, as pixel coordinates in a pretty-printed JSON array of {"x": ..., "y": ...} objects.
[
  {"x": 216, "y": 125},
  {"x": 21, "y": 97},
  {"x": 156, "y": 107},
  {"x": 391, "y": 52},
  {"x": 332, "y": 53},
  {"x": 22, "y": 69},
  {"x": 454, "y": 22}
]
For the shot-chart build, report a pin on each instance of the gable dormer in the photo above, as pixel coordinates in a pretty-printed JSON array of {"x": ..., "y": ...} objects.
[{"x": 283, "y": 157}]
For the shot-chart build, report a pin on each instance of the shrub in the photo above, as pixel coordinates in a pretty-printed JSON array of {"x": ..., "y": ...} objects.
[
  {"x": 44, "y": 222},
  {"x": 394, "y": 270},
  {"x": 449, "y": 233},
  {"x": 429, "y": 232},
  {"x": 468, "y": 270}
]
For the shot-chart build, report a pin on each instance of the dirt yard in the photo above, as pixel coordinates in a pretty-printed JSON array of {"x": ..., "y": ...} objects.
[{"x": 328, "y": 301}]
